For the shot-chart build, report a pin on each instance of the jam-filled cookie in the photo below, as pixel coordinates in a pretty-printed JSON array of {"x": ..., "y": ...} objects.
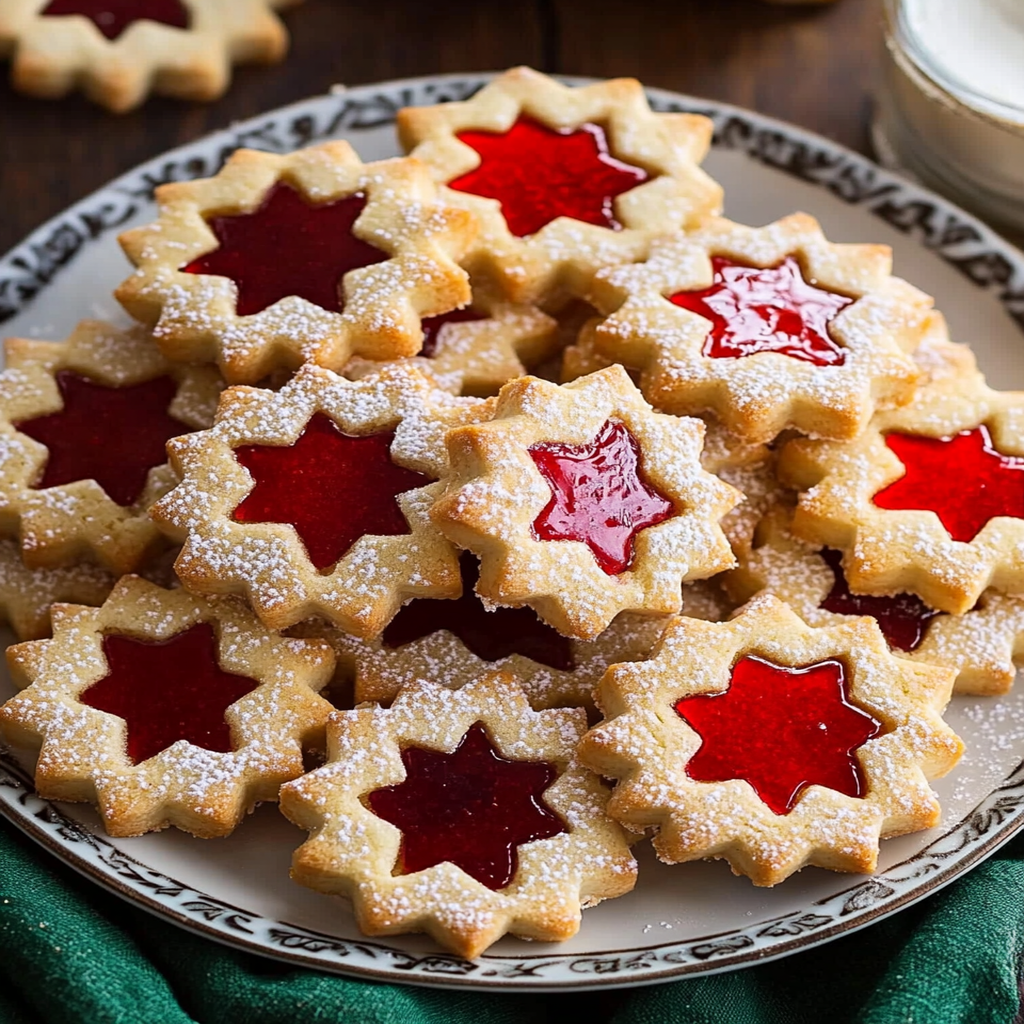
[
  {"x": 119, "y": 51},
  {"x": 313, "y": 500},
  {"x": 166, "y": 709},
  {"x": 982, "y": 644},
  {"x": 582, "y": 502},
  {"x": 83, "y": 425},
  {"x": 474, "y": 350},
  {"x": 773, "y": 745},
  {"x": 563, "y": 180},
  {"x": 768, "y": 328},
  {"x": 460, "y": 813},
  {"x": 309, "y": 257},
  {"x": 929, "y": 500}
]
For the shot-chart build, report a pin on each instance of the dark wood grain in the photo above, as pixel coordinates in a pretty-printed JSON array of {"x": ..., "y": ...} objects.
[{"x": 813, "y": 66}]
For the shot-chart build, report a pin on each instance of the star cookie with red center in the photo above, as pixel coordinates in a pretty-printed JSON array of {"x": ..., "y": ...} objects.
[
  {"x": 981, "y": 645},
  {"x": 460, "y": 813},
  {"x": 453, "y": 642},
  {"x": 309, "y": 257},
  {"x": 83, "y": 425},
  {"x": 582, "y": 502},
  {"x": 476, "y": 349},
  {"x": 928, "y": 500},
  {"x": 119, "y": 51},
  {"x": 313, "y": 500},
  {"x": 563, "y": 180},
  {"x": 773, "y": 745},
  {"x": 166, "y": 709},
  {"x": 767, "y": 328}
]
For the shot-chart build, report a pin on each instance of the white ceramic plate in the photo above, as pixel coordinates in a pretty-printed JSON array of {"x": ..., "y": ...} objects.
[{"x": 680, "y": 921}]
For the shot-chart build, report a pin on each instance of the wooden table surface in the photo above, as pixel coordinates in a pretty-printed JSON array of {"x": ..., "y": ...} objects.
[{"x": 811, "y": 65}]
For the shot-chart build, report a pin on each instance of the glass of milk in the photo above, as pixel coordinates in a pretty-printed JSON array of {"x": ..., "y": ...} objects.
[{"x": 951, "y": 110}]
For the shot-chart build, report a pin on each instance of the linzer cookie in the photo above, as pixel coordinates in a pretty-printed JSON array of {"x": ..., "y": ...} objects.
[
  {"x": 929, "y": 500},
  {"x": 981, "y": 645},
  {"x": 563, "y": 180},
  {"x": 83, "y": 426},
  {"x": 460, "y": 813},
  {"x": 773, "y": 745},
  {"x": 582, "y": 502},
  {"x": 767, "y": 328},
  {"x": 165, "y": 709},
  {"x": 456, "y": 641},
  {"x": 313, "y": 500},
  {"x": 473, "y": 351},
  {"x": 309, "y": 257},
  {"x": 118, "y": 51}
]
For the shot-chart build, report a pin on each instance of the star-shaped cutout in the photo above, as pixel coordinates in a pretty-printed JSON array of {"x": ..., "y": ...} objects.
[
  {"x": 963, "y": 479},
  {"x": 112, "y": 17},
  {"x": 490, "y": 635},
  {"x": 114, "y": 436},
  {"x": 598, "y": 495},
  {"x": 539, "y": 173},
  {"x": 781, "y": 729},
  {"x": 473, "y": 808},
  {"x": 902, "y": 618},
  {"x": 332, "y": 487},
  {"x": 766, "y": 309},
  {"x": 168, "y": 691},
  {"x": 288, "y": 247}
]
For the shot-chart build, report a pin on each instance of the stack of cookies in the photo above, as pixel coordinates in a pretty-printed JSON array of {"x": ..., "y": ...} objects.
[{"x": 543, "y": 507}]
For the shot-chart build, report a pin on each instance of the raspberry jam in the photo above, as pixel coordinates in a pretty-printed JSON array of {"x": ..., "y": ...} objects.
[
  {"x": 112, "y": 17},
  {"x": 598, "y": 495},
  {"x": 963, "y": 479},
  {"x": 114, "y": 436},
  {"x": 771, "y": 309},
  {"x": 168, "y": 690},
  {"x": 288, "y": 246},
  {"x": 332, "y": 487},
  {"x": 539, "y": 173},
  {"x": 473, "y": 808},
  {"x": 491, "y": 636},
  {"x": 432, "y": 327},
  {"x": 902, "y": 618},
  {"x": 781, "y": 729}
]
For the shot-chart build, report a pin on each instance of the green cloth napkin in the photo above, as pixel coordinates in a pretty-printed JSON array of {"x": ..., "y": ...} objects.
[{"x": 72, "y": 954}]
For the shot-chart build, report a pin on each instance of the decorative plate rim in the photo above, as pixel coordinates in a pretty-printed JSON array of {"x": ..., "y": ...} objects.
[{"x": 961, "y": 240}]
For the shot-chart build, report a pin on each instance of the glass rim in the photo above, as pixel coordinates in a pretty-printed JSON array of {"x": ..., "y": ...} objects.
[{"x": 952, "y": 86}]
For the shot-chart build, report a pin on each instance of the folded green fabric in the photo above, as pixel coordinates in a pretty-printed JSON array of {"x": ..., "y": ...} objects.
[{"x": 75, "y": 955}]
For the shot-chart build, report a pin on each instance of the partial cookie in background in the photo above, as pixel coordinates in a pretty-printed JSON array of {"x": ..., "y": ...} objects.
[{"x": 118, "y": 52}]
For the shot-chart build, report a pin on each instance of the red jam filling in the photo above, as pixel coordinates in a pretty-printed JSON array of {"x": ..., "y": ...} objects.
[
  {"x": 598, "y": 495},
  {"x": 963, "y": 479},
  {"x": 288, "y": 246},
  {"x": 473, "y": 808},
  {"x": 114, "y": 436},
  {"x": 168, "y": 690},
  {"x": 432, "y": 327},
  {"x": 781, "y": 729},
  {"x": 491, "y": 636},
  {"x": 539, "y": 173},
  {"x": 332, "y": 487},
  {"x": 902, "y": 618},
  {"x": 773, "y": 309},
  {"x": 112, "y": 17}
]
